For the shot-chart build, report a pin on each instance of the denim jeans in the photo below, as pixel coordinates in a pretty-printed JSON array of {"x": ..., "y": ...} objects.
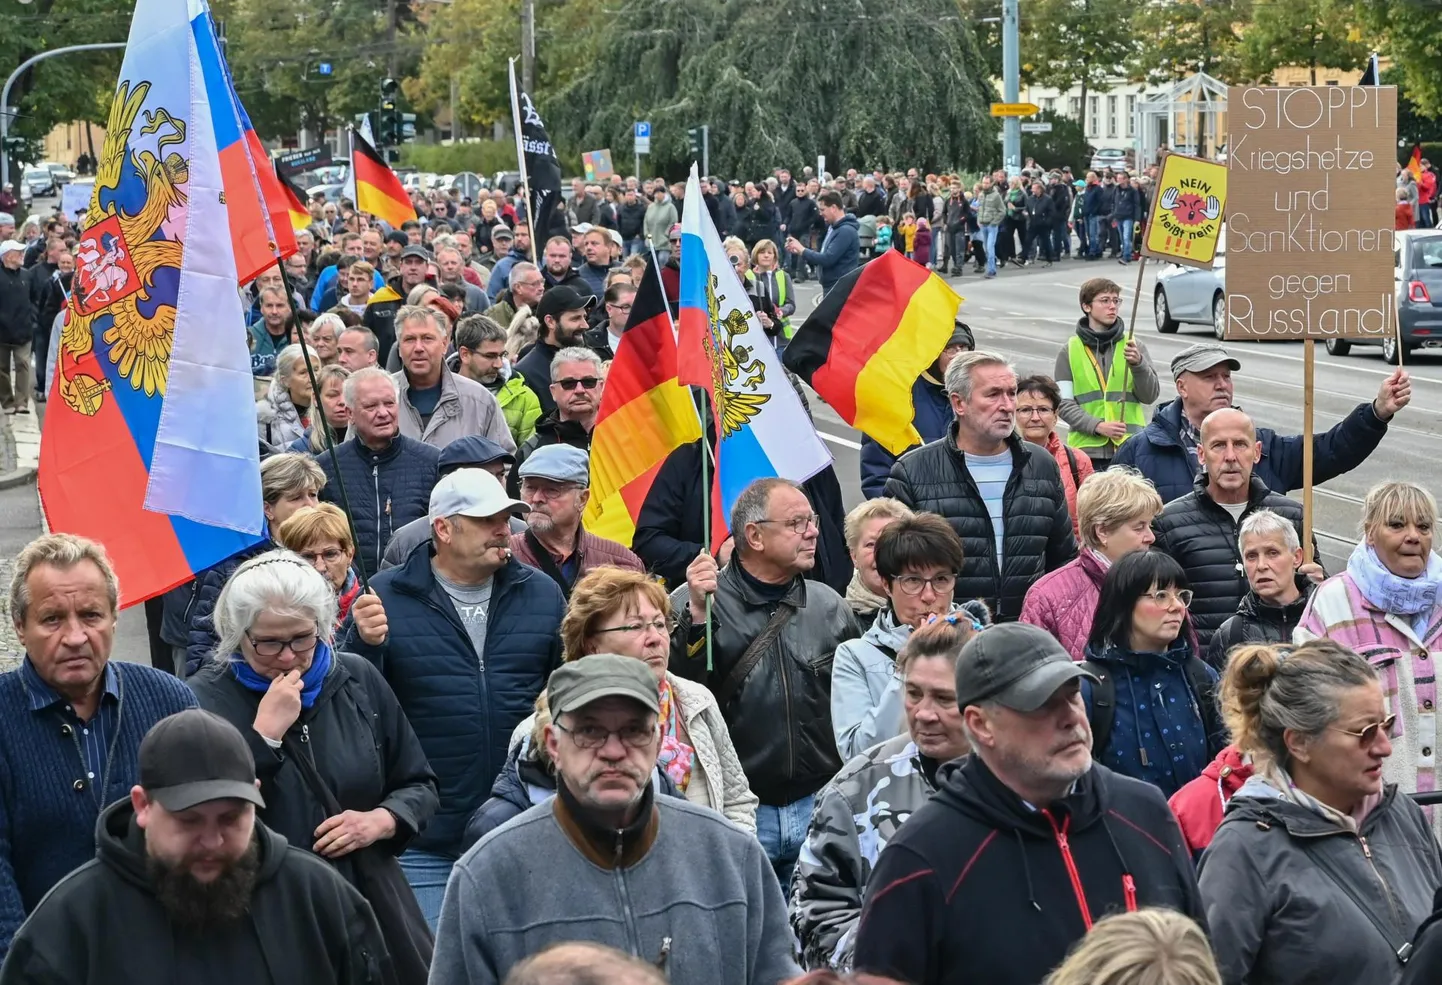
[
  {"x": 1124, "y": 231},
  {"x": 782, "y": 831},
  {"x": 427, "y": 873},
  {"x": 988, "y": 239},
  {"x": 637, "y": 245},
  {"x": 1095, "y": 243},
  {"x": 960, "y": 241},
  {"x": 1060, "y": 240}
]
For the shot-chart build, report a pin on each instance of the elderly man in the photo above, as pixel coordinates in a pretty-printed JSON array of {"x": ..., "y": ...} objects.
[
  {"x": 697, "y": 897},
  {"x": 554, "y": 483},
  {"x": 71, "y": 721},
  {"x": 1026, "y": 832},
  {"x": 511, "y": 249},
  {"x": 470, "y": 452},
  {"x": 773, "y": 637},
  {"x": 480, "y": 356},
  {"x": 562, "y": 313},
  {"x": 474, "y": 635},
  {"x": 436, "y": 405},
  {"x": 576, "y": 385},
  {"x": 392, "y": 475},
  {"x": 1003, "y": 496},
  {"x": 1166, "y": 452},
  {"x": 1279, "y": 586},
  {"x": 1199, "y": 530},
  {"x": 527, "y": 285},
  {"x": 450, "y": 269},
  {"x": 17, "y": 329},
  {"x": 188, "y": 886},
  {"x": 357, "y": 348}
]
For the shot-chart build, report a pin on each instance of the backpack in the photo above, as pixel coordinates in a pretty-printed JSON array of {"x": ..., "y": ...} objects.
[{"x": 1104, "y": 699}]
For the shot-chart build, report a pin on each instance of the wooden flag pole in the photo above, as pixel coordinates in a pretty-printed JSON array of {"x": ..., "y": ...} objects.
[
  {"x": 1308, "y": 384},
  {"x": 1131, "y": 332}
]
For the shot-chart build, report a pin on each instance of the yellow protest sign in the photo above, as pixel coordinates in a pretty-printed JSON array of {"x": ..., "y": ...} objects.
[{"x": 1187, "y": 206}]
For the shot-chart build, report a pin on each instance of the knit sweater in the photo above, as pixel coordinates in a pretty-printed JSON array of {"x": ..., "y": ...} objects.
[{"x": 47, "y": 826}]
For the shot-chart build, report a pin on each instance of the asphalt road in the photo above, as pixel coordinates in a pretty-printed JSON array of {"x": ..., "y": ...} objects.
[{"x": 1028, "y": 314}]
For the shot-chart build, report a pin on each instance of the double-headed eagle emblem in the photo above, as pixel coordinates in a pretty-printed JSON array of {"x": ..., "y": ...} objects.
[{"x": 736, "y": 375}]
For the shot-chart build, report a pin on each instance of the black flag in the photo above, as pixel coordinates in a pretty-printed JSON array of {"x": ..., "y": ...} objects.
[
  {"x": 1371, "y": 76},
  {"x": 543, "y": 171}
]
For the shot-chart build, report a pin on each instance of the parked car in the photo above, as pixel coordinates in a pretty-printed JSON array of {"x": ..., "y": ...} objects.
[
  {"x": 40, "y": 181},
  {"x": 332, "y": 193},
  {"x": 1192, "y": 295},
  {"x": 1114, "y": 158},
  {"x": 1417, "y": 270},
  {"x": 62, "y": 174}
]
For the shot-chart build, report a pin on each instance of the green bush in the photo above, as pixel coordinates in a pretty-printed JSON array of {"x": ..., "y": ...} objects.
[{"x": 484, "y": 157}]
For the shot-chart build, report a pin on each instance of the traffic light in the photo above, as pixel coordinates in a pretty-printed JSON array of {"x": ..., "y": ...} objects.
[{"x": 694, "y": 135}]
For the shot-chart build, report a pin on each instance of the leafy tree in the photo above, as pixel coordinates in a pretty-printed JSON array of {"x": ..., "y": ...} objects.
[
  {"x": 1178, "y": 37},
  {"x": 1313, "y": 33},
  {"x": 1067, "y": 43},
  {"x": 1066, "y": 144},
  {"x": 1409, "y": 32}
]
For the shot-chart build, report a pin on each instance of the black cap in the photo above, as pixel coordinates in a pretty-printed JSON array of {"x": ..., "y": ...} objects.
[
  {"x": 561, "y": 299},
  {"x": 1016, "y": 664},
  {"x": 416, "y": 251},
  {"x": 398, "y": 237},
  {"x": 501, "y": 231},
  {"x": 194, "y": 757},
  {"x": 961, "y": 335},
  {"x": 473, "y": 450}
]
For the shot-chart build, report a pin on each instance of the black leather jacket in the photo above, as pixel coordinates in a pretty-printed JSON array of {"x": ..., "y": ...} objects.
[{"x": 780, "y": 717}]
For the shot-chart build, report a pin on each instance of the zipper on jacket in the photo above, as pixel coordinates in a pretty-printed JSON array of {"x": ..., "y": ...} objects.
[
  {"x": 1386, "y": 889},
  {"x": 1071, "y": 870},
  {"x": 633, "y": 937},
  {"x": 376, "y": 482},
  {"x": 790, "y": 727}
]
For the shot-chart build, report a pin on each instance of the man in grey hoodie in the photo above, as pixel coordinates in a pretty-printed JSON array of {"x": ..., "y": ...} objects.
[{"x": 607, "y": 861}]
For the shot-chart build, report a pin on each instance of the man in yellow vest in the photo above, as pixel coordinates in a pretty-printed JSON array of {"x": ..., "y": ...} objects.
[{"x": 1104, "y": 399}]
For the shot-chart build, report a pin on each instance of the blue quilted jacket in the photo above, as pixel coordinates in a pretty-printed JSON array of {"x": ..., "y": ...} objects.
[
  {"x": 464, "y": 713},
  {"x": 386, "y": 489}
]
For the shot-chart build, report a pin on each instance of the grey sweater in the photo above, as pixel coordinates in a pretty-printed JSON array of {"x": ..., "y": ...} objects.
[{"x": 703, "y": 899}]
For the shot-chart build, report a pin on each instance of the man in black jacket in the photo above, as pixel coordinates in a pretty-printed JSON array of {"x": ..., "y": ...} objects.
[
  {"x": 774, "y": 634},
  {"x": 17, "y": 328},
  {"x": 1126, "y": 213},
  {"x": 1003, "y": 496},
  {"x": 1026, "y": 842},
  {"x": 802, "y": 213},
  {"x": 188, "y": 886},
  {"x": 1199, "y": 530},
  {"x": 1279, "y": 586},
  {"x": 562, "y": 313}
]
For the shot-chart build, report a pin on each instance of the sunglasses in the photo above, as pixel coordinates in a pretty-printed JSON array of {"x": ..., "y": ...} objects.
[
  {"x": 585, "y": 383},
  {"x": 1368, "y": 735}
]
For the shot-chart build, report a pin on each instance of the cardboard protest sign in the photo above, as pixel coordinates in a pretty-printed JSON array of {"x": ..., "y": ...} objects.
[
  {"x": 1187, "y": 207},
  {"x": 1311, "y": 190},
  {"x": 598, "y": 165}
]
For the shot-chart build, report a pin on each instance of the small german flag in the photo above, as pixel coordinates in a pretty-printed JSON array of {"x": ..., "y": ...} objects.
[
  {"x": 377, "y": 189},
  {"x": 1414, "y": 163},
  {"x": 869, "y": 339},
  {"x": 300, "y": 219}
]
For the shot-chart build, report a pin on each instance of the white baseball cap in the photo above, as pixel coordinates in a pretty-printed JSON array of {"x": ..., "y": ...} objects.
[
  {"x": 11, "y": 246},
  {"x": 472, "y": 492}
]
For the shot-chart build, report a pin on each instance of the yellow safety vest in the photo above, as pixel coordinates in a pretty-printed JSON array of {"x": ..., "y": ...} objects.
[{"x": 1102, "y": 400}]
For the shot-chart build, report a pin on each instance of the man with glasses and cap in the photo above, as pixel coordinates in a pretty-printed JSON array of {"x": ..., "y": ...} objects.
[
  {"x": 187, "y": 886},
  {"x": 696, "y": 895},
  {"x": 473, "y": 636},
  {"x": 1027, "y": 841},
  {"x": 1166, "y": 451}
]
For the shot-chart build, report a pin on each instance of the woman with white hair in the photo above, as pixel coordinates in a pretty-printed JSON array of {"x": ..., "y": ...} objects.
[
  {"x": 284, "y": 413},
  {"x": 1385, "y": 606},
  {"x": 340, "y": 769}
]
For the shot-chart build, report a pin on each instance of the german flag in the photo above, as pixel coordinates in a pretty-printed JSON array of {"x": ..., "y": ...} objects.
[
  {"x": 869, "y": 339},
  {"x": 645, "y": 415},
  {"x": 377, "y": 189},
  {"x": 1414, "y": 163},
  {"x": 300, "y": 219}
]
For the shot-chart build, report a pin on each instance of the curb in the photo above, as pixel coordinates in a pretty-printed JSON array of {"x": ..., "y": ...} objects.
[{"x": 23, "y": 476}]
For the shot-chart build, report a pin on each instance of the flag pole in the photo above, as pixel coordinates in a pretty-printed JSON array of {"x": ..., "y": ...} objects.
[
  {"x": 521, "y": 164},
  {"x": 706, "y": 455},
  {"x": 319, "y": 420}
]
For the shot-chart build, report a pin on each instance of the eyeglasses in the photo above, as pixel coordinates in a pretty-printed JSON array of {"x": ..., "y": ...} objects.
[
  {"x": 299, "y": 645},
  {"x": 913, "y": 584},
  {"x": 1368, "y": 734},
  {"x": 1110, "y": 299},
  {"x": 1040, "y": 410},
  {"x": 624, "y": 309},
  {"x": 1164, "y": 597},
  {"x": 798, "y": 524},
  {"x": 330, "y": 555},
  {"x": 585, "y": 383},
  {"x": 594, "y": 736},
  {"x": 659, "y": 624}
]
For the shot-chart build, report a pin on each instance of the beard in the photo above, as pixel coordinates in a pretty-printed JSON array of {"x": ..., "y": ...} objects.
[{"x": 197, "y": 906}]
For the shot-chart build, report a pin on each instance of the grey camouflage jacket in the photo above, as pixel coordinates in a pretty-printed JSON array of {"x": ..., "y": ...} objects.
[{"x": 856, "y": 814}]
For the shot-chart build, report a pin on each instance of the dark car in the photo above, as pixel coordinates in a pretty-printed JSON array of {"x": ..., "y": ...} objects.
[{"x": 1417, "y": 259}]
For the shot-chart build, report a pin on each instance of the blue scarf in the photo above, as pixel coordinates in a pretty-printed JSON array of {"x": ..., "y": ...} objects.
[
  {"x": 1393, "y": 593},
  {"x": 311, "y": 680}
]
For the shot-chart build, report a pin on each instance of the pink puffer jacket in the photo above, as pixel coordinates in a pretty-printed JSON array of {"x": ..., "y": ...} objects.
[{"x": 1063, "y": 601}]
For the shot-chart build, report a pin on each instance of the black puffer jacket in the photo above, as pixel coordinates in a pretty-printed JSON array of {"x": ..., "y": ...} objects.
[
  {"x": 17, "y": 310},
  {"x": 780, "y": 717},
  {"x": 1257, "y": 621},
  {"x": 1202, "y": 537},
  {"x": 934, "y": 479},
  {"x": 387, "y": 490}
]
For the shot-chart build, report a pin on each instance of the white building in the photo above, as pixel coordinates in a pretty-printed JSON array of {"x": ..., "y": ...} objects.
[{"x": 1110, "y": 112}]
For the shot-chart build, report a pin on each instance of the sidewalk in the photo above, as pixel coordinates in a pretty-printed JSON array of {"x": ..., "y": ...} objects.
[{"x": 20, "y": 447}]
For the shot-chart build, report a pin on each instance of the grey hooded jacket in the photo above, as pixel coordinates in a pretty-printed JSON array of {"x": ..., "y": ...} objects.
[{"x": 1293, "y": 897}]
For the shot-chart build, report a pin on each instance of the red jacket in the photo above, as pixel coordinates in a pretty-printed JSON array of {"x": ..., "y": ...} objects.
[
  {"x": 1198, "y": 806},
  {"x": 1068, "y": 459}
]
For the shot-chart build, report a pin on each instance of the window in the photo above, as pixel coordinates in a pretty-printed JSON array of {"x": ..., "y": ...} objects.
[
  {"x": 1073, "y": 107},
  {"x": 1111, "y": 116},
  {"x": 1333, "y": 82},
  {"x": 1131, "y": 116},
  {"x": 1049, "y": 104},
  {"x": 1093, "y": 111}
]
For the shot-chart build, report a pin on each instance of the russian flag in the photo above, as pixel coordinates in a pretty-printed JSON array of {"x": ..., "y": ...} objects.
[
  {"x": 762, "y": 429},
  {"x": 150, "y": 444}
]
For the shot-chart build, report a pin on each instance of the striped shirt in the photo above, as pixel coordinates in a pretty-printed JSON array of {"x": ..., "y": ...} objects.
[
  {"x": 990, "y": 473},
  {"x": 92, "y": 738}
]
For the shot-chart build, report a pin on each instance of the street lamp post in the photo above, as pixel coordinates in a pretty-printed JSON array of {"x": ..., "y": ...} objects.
[{"x": 10, "y": 83}]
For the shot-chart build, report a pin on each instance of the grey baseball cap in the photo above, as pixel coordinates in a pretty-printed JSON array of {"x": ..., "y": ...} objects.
[
  {"x": 559, "y": 463},
  {"x": 576, "y": 684},
  {"x": 1201, "y": 357},
  {"x": 1016, "y": 665}
]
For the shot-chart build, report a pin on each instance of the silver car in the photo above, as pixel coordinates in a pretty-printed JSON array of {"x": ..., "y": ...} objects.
[
  {"x": 1192, "y": 295},
  {"x": 1417, "y": 271}
]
